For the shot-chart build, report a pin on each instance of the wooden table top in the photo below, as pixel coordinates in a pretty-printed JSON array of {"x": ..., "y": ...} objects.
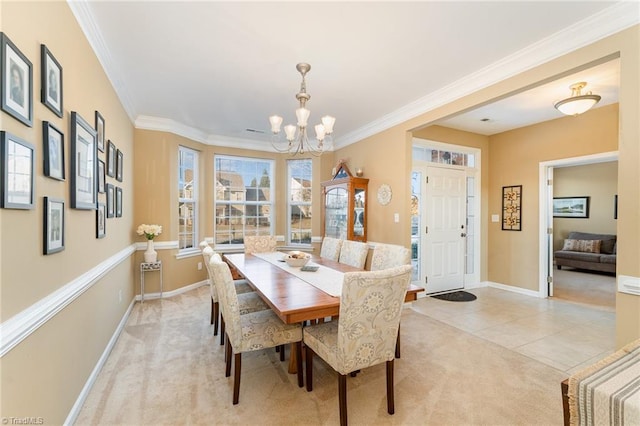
[{"x": 291, "y": 298}]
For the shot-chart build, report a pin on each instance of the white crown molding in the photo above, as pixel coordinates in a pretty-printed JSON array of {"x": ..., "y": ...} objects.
[
  {"x": 609, "y": 21},
  {"x": 82, "y": 12},
  {"x": 596, "y": 27},
  {"x": 20, "y": 326}
]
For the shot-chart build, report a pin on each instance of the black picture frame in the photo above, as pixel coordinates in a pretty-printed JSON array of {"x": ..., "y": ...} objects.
[
  {"x": 119, "y": 165},
  {"x": 16, "y": 83},
  {"x": 17, "y": 180},
  {"x": 111, "y": 159},
  {"x": 571, "y": 207},
  {"x": 512, "y": 208},
  {"x": 51, "y": 81},
  {"x": 53, "y": 151},
  {"x": 83, "y": 164},
  {"x": 615, "y": 206},
  {"x": 53, "y": 225},
  {"x": 100, "y": 129},
  {"x": 111, "y": 200},
  {"x": 118, "y": 201},
  {"x": 101, "y": 177},
  {"x": 101, "y": 220}
]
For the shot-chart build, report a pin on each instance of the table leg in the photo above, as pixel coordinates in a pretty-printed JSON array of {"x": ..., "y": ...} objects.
[
  {"x": 293, "y": 369},
  {"x": 141, "y": 286}
]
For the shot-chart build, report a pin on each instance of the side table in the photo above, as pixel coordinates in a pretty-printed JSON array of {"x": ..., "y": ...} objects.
[{"x": 149, "y": 267}]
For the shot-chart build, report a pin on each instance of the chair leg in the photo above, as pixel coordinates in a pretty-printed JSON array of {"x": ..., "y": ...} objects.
[
  {"x": 281, "y": 353},
  {"x": 222, "y": 330},
  {"x": 216, "y": 315},
  {"x": 236, "y": 377},
  {"x": 342, "y": 398},
  {"x": 390, "y": 400},
  {"x": 212, "y": 309},
  {"x": 227, "y": 359},
  {"x": 309, "y": 366},
  {"x": 299, "y": 363},
  {"x": 398, "y": 343}
]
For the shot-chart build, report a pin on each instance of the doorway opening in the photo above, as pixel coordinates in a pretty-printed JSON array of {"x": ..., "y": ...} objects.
[{"x": 548, "y": 278}]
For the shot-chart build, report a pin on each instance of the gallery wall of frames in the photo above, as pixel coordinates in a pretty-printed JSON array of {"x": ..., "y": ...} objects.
[{"x": 96, "y": 164}]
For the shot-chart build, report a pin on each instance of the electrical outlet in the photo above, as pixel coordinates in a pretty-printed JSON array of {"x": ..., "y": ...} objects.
[
  {"x": 199, "y": 266},
  {"x": 396, "y": 217},
  {"x": 120, "y": 296}
]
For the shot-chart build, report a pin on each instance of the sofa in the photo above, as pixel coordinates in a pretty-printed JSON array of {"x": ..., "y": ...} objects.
[{"x": 583, "y": 250}]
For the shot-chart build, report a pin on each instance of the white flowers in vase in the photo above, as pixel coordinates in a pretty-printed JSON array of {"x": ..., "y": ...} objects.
[{"x": 149, "y": 231}]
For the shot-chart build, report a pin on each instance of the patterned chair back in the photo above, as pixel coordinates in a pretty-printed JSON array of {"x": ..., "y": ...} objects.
[
  {"x": 260, "y": 244},
  {"x": 370, "y": 309},
  {"x": 208, "y": 254},
  {"x": 331, "y": 248},
  {"x": 387, "y": 256},
  {"x": 354, "y": 253},
  {"x": 228, "y": 298}
]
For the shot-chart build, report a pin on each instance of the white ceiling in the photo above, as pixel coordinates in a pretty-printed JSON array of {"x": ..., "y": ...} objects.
[{"x": 211, "y": 70}]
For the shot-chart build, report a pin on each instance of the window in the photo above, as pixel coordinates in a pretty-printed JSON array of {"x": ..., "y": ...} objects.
[
  {"x": 187, "y": 198},
  {"x": 243, "y": 198},
  {"x": 299, "y": 201}
]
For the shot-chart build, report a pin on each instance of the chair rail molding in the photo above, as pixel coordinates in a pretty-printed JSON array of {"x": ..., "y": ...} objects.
[{"x": 20, "y": 326}]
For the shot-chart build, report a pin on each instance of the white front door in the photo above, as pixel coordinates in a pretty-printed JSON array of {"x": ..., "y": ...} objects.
[{"x": 445, "y": 214}]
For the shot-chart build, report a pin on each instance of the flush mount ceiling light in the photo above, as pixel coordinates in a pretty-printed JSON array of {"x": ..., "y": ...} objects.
[
  {"x": 296, "y": 140},
  {"x": 577, "y": 103}
]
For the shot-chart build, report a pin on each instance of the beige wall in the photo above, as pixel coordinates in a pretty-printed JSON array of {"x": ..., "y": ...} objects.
[
  {"x": 597, "y": 181},
  {"x": 514, "y": 160},
  {"x": 44, "y": 374}
]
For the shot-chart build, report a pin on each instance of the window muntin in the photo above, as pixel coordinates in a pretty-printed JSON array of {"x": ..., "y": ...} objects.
[
  {"x": 243, "y": 198},
  {"x": 187, "y": 198},
  {"x": 299, "y": 196}
]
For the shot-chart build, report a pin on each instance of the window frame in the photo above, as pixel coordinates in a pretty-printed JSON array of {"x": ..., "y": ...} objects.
[
  {"x": 194, "y": 200},
  {"x": 217, "y": 203},
  {"x": 291, "y": 204}
]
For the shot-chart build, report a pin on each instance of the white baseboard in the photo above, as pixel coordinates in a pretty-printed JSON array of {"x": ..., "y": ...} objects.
[
  {"x": 514, "y": 289},
  {"x": 75, "y": 410},
  {"x": 166, "y": 294}
]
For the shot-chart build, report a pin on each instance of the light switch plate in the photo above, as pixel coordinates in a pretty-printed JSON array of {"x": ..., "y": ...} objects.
[
  {"x": 495, "y": 218},
  {"x": 396, "y": 217}
]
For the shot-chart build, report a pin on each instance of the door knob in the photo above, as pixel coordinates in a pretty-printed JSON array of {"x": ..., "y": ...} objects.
[{"x": 463, "y": 235}]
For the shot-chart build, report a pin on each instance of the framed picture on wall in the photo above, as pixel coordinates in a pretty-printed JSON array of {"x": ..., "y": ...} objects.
[
  {"x": 16, "y": 82},
  {"x": 51, "y": 81},
  {"x": 53, "y": 225},
  {"x": 119, "y": 165},
  {"x": 101, "y": 177},
  {"x": 111, "y": 200},
  {"x": 512, "y": 208},
  {"x": 83, "y": 164},
  {"x": 571, "y": 207},
  {"x": 17, "y": 180},
  {"x": 53, "y": 141},
  {"x": 101, "y": 220},
  {"x": 118, "y": 201},
  {"x": 100, "y": 125},
  {"x": 111, "y": 159}
]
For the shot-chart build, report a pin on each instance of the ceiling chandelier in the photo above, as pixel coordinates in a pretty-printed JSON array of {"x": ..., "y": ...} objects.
[
  {"x": 297, "y": 141},
  {"x": 577, "y": 103}
]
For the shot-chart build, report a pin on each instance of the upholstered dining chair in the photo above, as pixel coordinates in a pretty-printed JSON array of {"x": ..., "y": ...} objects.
[
  {"x": 250, "y": 303},
  {"x": 365, "y": 333},
  {"x": 331, "y": 248},
  {"x": 353, "y": 253},
  {"x": 252, "y": 331},
  {"x": 259, "y": 243},
  {"x": 387, "y": 256}
]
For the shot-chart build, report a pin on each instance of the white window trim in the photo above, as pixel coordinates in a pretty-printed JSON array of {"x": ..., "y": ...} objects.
[
  {"x": 289, "y": 205},
  {"x": 195, "y": 191}
]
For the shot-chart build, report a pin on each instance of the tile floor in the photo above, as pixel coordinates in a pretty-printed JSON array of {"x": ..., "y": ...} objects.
[{"x": 561, "y": 334}]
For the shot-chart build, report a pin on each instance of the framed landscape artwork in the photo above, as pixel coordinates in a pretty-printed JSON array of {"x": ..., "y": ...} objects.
[{"x": 572, "y": 207}]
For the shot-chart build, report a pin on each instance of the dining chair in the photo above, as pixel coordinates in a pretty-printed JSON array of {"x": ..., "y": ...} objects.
[
  {"x": 252, "y": 331},
  {"x": 354, "y": 253},
  {"x": 331, "y": 248},
  {"x": 250, "y": 303},
  {"x": 259, "y": 243},
  {"x": 387, "y": 256},
  {"x": 365, "y": 333}
]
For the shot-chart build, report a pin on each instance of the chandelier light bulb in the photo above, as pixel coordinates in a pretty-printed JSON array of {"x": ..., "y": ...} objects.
[
  {"x": 276, "y": 122},
  {"x": 290, "y": 131},
  {"x": 302, "y": 114},
  {"x": 328, "y": 122},
  {"x": 320, "y": 132}
]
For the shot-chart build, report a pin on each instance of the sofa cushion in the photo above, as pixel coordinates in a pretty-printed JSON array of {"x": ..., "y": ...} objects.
[
  {"x": 586, "y": 246},
  {"x": 608, "y": 258},
  {"x": 576, "y": 255},
  {"x": 608, "y": 240}
]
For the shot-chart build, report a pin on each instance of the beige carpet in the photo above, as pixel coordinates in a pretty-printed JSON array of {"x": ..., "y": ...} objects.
[
  {"x": 167, "y": 368},
  {"x": 596, "y": 289}
]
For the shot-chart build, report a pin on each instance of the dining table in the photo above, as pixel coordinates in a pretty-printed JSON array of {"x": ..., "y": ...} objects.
[{"x": 294, "y": 295}]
